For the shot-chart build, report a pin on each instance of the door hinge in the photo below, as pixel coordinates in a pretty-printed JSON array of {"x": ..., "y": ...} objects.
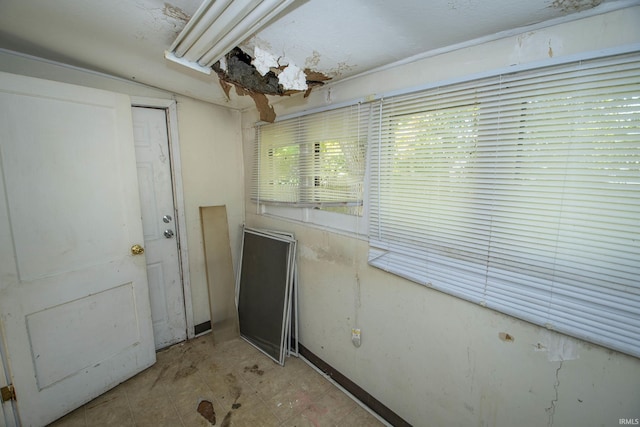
[{"x": 8, "y": 393}]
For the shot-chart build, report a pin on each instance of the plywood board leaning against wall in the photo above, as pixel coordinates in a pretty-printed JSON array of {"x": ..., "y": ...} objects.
[{"x": 219, "y": 268}]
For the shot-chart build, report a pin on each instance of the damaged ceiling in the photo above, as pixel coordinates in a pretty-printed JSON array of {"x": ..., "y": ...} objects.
[
  {"x": 312, "y": 42},
  {"x": 257, "y": 78}
]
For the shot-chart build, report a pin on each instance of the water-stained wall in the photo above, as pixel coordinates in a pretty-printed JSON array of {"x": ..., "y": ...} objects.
[{"x": 432, "y": 358}]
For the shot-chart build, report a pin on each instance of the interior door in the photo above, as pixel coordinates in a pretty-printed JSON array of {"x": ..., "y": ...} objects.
[
  {"x": 159, "y": 226},
  {"x": 74, "y": 300}
]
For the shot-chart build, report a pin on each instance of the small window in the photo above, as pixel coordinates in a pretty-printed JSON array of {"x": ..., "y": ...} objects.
[{"x": 313, "y": 163}]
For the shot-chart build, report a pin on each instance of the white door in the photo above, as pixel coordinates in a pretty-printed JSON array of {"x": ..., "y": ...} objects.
[
  {"x": 74, "y": 300},
  {"x": 159, "y": 225}
]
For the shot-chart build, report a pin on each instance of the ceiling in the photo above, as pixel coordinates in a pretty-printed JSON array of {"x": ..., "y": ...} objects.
[{"x": 339, "y": 38}]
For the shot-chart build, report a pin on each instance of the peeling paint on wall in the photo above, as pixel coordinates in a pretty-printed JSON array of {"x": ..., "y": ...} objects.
[
  {"x": 325, "y": 254},
  {"x": 558, "y": 347},
  {"x": 506, "y": 337},
  {"x": 313, "y": 60},
  {"x": 176, "y": 13},
  {"x": 571, "y": 6},
  {"x": 536, "y": 44},
  {"x": 341, "y": 69}
]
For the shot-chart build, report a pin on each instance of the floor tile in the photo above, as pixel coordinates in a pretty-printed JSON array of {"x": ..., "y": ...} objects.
[
  {"x": 227, "y": 388},
  {"x": 156, "y": 412},
  {"x": 109, "y": 410},
  {"x": 308, "y": 387},
  {"x": 251, "y": 413},
  {"x": 73, "y": 419},
  {"x": 274, "y": 380},
  {"x": 194, "y": 419},
  {"x": 186, "y": 401},
  {"x": 329, "y": 410},
  {"x": 252, "y": 368},
  {"x": 243, "y": 386},
  {"x": 361, "y": 418},
  {"x": 212, "y": 367},
  {"x": 149, "y": 384}
]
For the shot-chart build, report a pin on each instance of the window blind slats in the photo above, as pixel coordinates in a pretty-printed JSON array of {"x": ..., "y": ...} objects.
[
  {"x": 520, "y": 192},
  {"x": 317, "y": 160}
]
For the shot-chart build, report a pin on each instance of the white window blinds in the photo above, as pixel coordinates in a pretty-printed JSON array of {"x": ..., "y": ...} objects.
[
  {"x": 317, "y": 160},
  {"x": 520, "y": 192}
]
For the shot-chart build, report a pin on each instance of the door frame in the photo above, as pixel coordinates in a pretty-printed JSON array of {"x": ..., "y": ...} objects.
[
  {"x": 170, "y": 107},
  {"x": 8, "y": 412}
]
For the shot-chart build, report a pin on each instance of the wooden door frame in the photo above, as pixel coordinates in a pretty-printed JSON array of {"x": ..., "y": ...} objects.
[
  {"x": 8, "y": 412},
  {"x": 170, "y": 107}
]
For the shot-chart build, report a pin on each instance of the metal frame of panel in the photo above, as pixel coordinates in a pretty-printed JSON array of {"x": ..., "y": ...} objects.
[{"x": 264, "y": 290}]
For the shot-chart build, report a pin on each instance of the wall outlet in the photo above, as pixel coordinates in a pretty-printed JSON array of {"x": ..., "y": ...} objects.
[{"x": 355, "y": 337}]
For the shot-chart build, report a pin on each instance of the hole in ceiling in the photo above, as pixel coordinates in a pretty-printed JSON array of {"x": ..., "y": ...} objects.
[{"x": 237, "y": 69}]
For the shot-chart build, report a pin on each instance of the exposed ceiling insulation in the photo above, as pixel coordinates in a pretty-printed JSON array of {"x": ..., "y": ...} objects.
[{"x": 253, "y": 76}]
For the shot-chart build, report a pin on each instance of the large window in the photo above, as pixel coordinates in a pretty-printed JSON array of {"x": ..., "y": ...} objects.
[
  {"x": 520, "y": 192},
  {"x": 313, "y": 162}
]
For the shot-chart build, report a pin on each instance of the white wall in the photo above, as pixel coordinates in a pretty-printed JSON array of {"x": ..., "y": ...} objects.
[
  {"x": 432, "y": 358},
  {"x": 211, "y": 158},
  {"x": 212, "y": 173}
]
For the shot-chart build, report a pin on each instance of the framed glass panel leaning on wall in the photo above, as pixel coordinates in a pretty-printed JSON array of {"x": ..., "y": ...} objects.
[
  {"x": 311, "y": 167},
  {"x": 519, "y": 192}
]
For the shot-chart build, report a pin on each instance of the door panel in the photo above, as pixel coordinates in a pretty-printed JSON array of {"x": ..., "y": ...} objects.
[
  {"x": 73, "y": 299},
  {"x": 51, "y": 230},
  {"x": 158, "y": 215},
  {"x": 59, "y": 355}
]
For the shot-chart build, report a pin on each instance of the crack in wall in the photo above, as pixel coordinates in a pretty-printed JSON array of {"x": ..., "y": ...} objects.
[{"x": 551, "y": 410}]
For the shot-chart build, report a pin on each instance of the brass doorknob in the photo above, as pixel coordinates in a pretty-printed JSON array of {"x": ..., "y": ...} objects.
[{"x": 137, "y": 250}]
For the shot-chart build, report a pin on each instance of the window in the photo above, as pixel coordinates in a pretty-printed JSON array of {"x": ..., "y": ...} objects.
[
  {"x": 314, "y": 162},
  {"x": 520, "y": 192}
]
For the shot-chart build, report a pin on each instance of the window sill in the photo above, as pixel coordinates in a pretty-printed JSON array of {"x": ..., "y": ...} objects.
[{"x": 342, "y": 223}]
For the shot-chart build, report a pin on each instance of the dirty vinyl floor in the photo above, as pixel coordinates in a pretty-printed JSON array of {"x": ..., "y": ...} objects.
[{"x": 243, "y": 386}]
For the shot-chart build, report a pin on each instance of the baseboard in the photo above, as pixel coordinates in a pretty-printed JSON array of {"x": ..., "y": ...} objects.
[
  {"x": 202, "y": 327},
  {"x": 353, "y": 388}
]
